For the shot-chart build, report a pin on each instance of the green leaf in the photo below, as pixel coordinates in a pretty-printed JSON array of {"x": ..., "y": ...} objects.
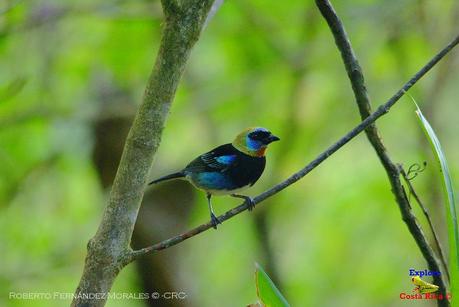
[
  {"x": 267, "y": 292},
  {"x": 450, "y": 205}
]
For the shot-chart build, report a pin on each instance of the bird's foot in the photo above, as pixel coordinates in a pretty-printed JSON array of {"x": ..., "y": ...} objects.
[
  {"x": 248, "y": 199},
  {"x": 250, "y": 203},
  {"x": 214, "y": 221}
]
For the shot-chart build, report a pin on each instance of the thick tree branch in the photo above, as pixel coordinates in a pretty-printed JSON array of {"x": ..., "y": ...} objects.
[
  {"x": 382, "y": 110},
  {"x": 356, "y": 77},
  {"x": 107, "y": 250},
  {"x": 170, "y": 7}
]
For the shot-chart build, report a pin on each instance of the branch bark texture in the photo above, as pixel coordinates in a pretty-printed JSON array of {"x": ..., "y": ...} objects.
[
  {"x": 357, "y": 80},
  {"x": 108, "y": 249}
]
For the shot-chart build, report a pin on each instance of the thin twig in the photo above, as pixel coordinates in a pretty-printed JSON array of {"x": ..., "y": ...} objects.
[
  {"x": 382, "y": 110},
  {"x": 357, "y": 79},
  {"x": 429, "y": 221}
]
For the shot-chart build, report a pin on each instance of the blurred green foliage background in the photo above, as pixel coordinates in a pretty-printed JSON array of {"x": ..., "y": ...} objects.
[{"x": 72, "y": 74}]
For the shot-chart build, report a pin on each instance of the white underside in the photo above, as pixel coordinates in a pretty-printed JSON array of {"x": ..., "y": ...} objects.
[
  {"x": 225, "y": 192},
  {"x": 218, "y": 192}
]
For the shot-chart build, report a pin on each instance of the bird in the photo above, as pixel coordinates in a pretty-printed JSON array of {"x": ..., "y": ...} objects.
[{"x": 228, "y": 169}]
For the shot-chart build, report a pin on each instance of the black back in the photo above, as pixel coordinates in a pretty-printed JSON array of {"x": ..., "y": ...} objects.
[{"x": 241, "y": 169}]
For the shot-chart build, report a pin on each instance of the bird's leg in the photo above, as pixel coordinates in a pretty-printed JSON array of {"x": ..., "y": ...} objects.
[
  {"x": 248, "y": 199},
  {"x": 214, "y": 220}
]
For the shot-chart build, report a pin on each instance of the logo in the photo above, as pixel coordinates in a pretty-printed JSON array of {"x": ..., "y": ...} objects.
[
  {"x": 423, "y": 289},
  {"x": 413, "y": 272}
]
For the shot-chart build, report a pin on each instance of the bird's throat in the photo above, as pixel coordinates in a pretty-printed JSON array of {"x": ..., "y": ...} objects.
[
  {"x": 260, "y": 152},
  {"x": 253, "y": 153}
]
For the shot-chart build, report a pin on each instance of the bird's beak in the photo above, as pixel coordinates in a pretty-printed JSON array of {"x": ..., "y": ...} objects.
[{"x": 272, "y": 138}]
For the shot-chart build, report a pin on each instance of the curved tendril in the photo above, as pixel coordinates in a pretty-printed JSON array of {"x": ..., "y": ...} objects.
[{"x": 415, "y": 169}]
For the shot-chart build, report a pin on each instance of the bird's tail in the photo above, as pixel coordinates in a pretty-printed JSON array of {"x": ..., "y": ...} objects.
[{"x": 169, "y": 177}]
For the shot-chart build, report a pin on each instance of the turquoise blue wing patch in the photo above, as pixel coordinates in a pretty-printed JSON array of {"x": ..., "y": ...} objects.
[
  {"x": 218, "y": 162},
  {"x": 226, "y": 159}
]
